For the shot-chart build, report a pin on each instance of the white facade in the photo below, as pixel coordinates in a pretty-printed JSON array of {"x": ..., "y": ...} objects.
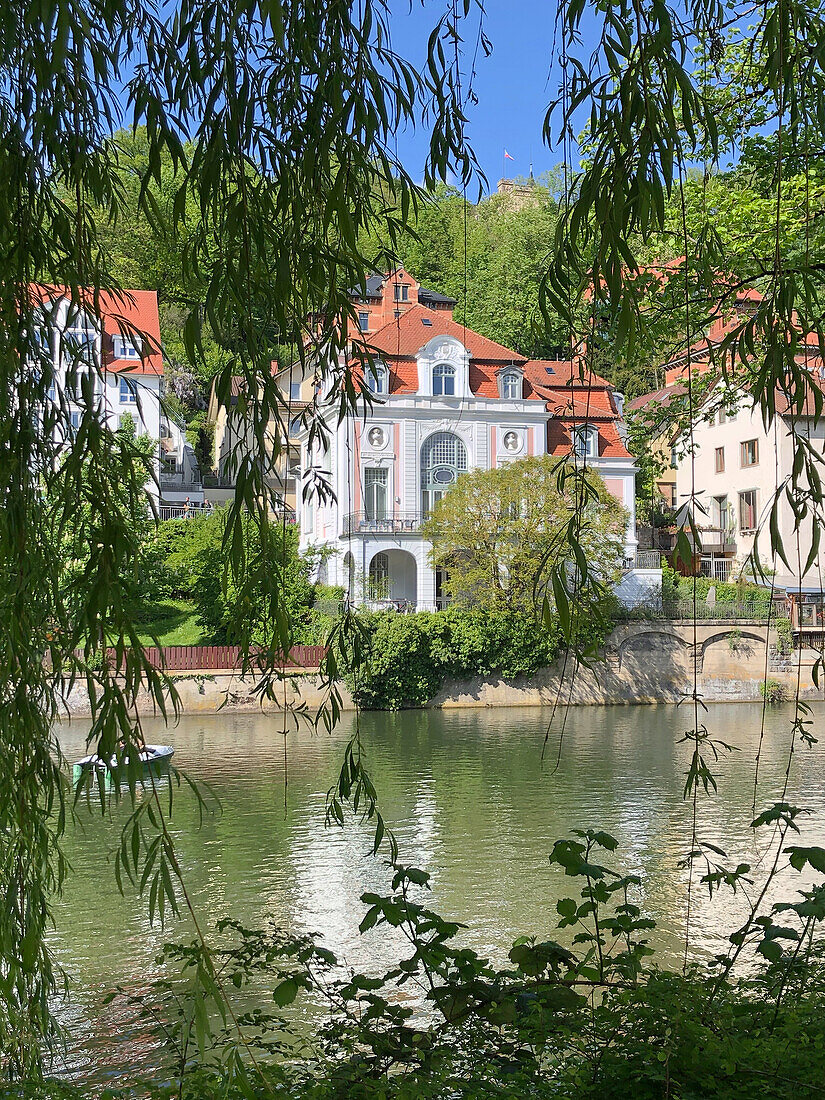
[
  {"x": 73, "y": 341},
  {"x": 388, "y": 467},
  {"x": 730, "y": 483}
]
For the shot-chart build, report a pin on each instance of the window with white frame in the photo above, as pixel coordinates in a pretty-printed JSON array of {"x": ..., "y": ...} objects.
[
  {"x": 443, "y": 459},
  {"x": 128, "y": 392},
  {"x": 586, "y": 441},
  {"x": 402, "y": 292},
  {"x": 443, "y": 380},
  {"x": 510, "y": 385},
  {"x": 376, "y": 483},
  {"x": 79, "y": 341},
  {"x": 125, "y": 347},
  {"x": 294, "y": 391},
  {"x": 378, "y": 380},
  {"x": 363, "y": 320}
]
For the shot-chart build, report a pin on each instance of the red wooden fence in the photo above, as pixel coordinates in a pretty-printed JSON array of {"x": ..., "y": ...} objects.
[{"x": 188, "y": 658}]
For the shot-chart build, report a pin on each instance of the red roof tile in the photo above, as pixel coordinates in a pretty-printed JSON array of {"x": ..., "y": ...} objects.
[
  {"x": 559, "y": 440},
  {"x": 125, "y": 312},
  {"x": 405, "y": 336}
]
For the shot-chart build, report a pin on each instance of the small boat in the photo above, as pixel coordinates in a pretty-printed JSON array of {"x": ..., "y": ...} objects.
[{"x": 153, "y": 759}]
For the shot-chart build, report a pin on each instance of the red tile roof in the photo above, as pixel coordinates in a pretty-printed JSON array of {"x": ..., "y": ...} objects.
[
  {"x": 610, "y": 442},
  {"x": 126, "y": 312},
  {"x": 405, "y": 336},
  {"x": 569, "y": 395}
]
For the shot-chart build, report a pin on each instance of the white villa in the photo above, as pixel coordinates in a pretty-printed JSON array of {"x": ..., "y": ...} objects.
[
  {"x": 117, "y": 337},
  {"x": 446, "y": 400}
]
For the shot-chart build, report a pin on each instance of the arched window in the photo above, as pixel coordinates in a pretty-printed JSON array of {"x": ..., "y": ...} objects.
[
  {"x": 443, "y": 380},
  {"x": 586, "y": 442},
  {"x": 511, "y": 385},
  {"x": 379, "y": 577},
  {"x": 443, "y": 458},
  {"x": 378, "y": 380}
]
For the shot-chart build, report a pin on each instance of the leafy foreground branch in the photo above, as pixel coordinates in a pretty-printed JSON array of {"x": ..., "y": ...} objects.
[{"x": 577, "y": 1018}]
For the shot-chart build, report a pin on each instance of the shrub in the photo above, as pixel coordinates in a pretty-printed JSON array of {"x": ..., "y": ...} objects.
[
  {"x": 784, "y": 637},
  {"x": 772, "y": 691},
  {"x": 412, "y": 655}
]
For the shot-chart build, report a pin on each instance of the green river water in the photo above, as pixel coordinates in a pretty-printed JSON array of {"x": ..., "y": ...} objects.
[{"x": 470, "y": 801}]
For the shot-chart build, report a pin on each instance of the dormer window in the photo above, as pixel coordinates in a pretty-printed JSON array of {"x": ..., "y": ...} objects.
[
  {"x": 402, "y": 292},
  {"x": 510, "y": 385},
  {"x": 586, "y": 442},
  {"x": 124, "y": 348},
  {"x": 378, "y": 380},
  {"x": 443, "y": 380}
]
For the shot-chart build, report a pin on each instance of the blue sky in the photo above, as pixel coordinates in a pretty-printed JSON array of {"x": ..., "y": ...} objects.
[{"x": 512, "y": 84}]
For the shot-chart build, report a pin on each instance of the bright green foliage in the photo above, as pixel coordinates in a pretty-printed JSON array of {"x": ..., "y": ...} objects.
[
  {"x": 582, "y": 1012},
  {"x": 410, "y": 656},
  {"x": 231, "y": 612},
  {"x": 501, "y": 533},
  {"x": 497, "y": 291},
  {"x": 263, "y": 154}
]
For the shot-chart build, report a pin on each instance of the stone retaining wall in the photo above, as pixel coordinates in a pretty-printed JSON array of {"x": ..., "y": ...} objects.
[{"x": 643, "y": 662}]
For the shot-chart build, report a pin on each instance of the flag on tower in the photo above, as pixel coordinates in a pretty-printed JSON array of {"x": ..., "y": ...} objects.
[{"x": 507, "y": 156}]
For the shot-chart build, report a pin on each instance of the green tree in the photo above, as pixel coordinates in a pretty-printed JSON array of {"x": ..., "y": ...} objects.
[
  {"x": 500, "y": 534},
  {"x": 275, "y": 125}
]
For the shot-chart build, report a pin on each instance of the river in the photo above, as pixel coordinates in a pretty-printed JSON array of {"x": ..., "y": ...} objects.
[{"x": 470, "y": 801}]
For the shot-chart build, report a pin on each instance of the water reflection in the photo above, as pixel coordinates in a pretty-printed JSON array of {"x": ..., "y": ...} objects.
[{"x": 469, "y": 801}]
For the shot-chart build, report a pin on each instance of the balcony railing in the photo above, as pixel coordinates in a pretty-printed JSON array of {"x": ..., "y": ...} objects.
[
  {"x": 647, "y": 559},
  {"x": 180, "y": 480},
  {"x": 183, "y": 511},
  {"x": 362, "y": 523},
  {"x": 721, "y": 540}
]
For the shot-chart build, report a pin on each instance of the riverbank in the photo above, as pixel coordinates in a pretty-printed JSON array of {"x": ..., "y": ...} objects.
[{"x": 643, "y": 662}]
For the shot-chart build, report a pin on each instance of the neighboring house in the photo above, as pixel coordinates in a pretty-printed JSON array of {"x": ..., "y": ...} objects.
[
  {"x": 233, "y": 440},
  {"x": 115, "y": 338},
  {"x": 728, "y": 472},
  {"x": 385, "y": 298},
  {"x": 727, "y": 467},
  {"x": 446, "y": 400},
  {"x": 181, "y": 485}
]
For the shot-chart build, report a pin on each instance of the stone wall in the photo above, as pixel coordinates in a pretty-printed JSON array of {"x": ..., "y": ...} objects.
[{"x": 643, "y": 662}]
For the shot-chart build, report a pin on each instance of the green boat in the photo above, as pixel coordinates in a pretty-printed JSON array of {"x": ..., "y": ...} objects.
[{"x": 153, "y": 759}]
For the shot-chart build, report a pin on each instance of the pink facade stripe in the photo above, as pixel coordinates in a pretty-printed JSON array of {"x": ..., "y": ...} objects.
[
  {"x": 396, "y": 473},
  {"x": 492, "y": 447},
  {"x": 357, "y": 466}
]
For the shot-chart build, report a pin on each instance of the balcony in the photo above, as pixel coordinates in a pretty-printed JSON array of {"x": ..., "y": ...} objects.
[
  {"x": 361, "y": 523},
  {"x": 717, "y": 540},
  {"x": 181, "y": 481}
]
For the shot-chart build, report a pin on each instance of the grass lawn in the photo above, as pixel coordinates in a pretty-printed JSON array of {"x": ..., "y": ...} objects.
[{"x": 174, "y": 621}]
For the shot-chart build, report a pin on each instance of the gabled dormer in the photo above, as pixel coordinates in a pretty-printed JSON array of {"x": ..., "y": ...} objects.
[
  {"x": 510, "y": 382},
  {"x": 444, "y": 369}
]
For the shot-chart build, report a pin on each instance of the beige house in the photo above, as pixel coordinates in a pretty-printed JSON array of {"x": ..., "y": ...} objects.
[
  {"x": 232, "y": 439},
  {"x": 729, "y": 475}
]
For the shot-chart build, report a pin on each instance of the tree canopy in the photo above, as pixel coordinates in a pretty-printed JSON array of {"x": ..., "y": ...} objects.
[{"x": 500, "y": 534}]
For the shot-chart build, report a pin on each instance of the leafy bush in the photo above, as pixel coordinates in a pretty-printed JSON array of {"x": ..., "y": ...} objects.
[
  {"x": 281, "y": 594},
  {"x": 675, "y": 587},
  {"x": 412, "y": 655},
  {"x": 772, "y": 691},
  {"x": 580, "y": 1015},
  {"x": 784, "y": 637}
]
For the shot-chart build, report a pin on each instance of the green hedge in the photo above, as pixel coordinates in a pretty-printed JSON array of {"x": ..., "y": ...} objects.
[{"x": 412, "y": 655}]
